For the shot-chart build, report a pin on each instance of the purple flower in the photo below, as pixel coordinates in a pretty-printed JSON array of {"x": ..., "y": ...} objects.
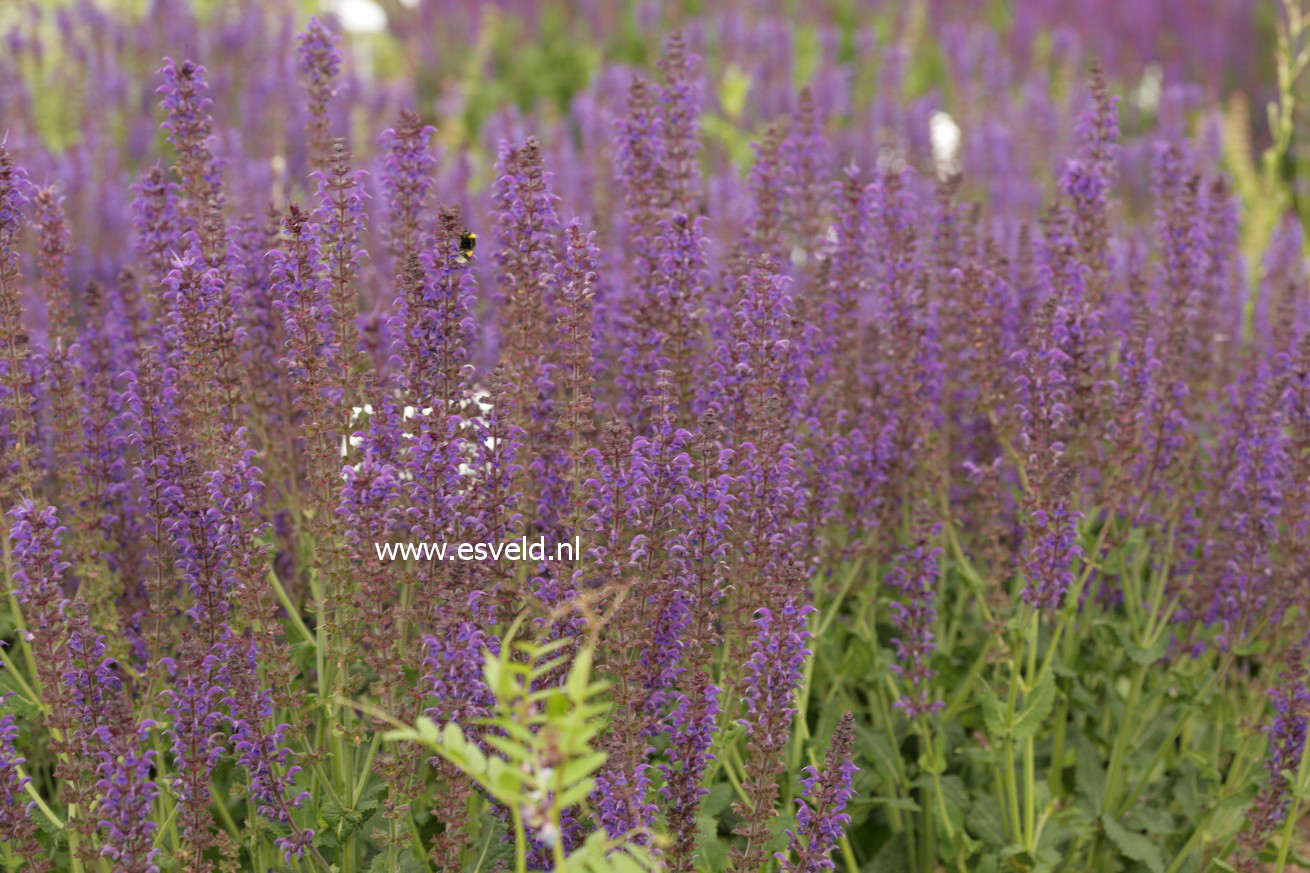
[
  {"x": 915, "y": 576},
  {"x": 1287, "y": 736},
  {"x": 692, "y": 724},
  {"x": 407, "y": 182},
  {"x": 17, "y": 426},
  {"x": 772, "y": 676},
  {"x": 127, "y": 793},
  {"x": 16, "y": 825},
  {"x": 190, "y": 128},
  {"x": 821, "y": 819},
  {"x": 262, "y": 750},
  {"x": 319, "y": 64}
]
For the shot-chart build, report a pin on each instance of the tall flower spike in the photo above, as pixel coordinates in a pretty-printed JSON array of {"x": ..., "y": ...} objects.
[
  {"x": 155, "y": 223},
  {"x": 342, "y": 219},
  {"x": 194, "y": 703},
  {"x": 407, "y": 168},
  {"x": 804, "y": 155},
  {"x": 61, "y": 373},
  {"x": 18, "y": 426},
  {"x": 16, "y": 826},
  {"x": 574, "y": 343},
  {"x": 1050, "y": 536},
  {"x": 263, "y": 751},
  {"x": 641, "y": 171},
  {"x": 190, "y": 127},
  {"x": 320, "y": 63},
  {"x": 692, "y": 726},
  {"x": 127, "y": 791},
  {"x": 821, "y": 818},
  {"x": 772, "y": 676},
  {"x": 915, "y": 576},
  {"x": 1287, "y": 736},
  {"x": 302, "y": 295},
  {"x": 1087, "y": 182},
  {"x": 680, "y": 116}
]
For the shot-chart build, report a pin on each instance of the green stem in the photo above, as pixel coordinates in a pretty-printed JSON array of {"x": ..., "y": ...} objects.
[
  {"x": 1123, "y": 740},
  {"x": 1030, "y": 745},
  {"x": 1294, "y": 814}
]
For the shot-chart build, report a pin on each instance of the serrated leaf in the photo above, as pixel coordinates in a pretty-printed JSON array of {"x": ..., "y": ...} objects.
[{"x": 1134, "y": 846}]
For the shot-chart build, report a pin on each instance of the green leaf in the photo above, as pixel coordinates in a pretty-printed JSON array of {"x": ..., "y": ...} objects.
[
  {"x": 1089, "y": 773},
  {"x": 1133, "y": 846},
  {"x": 713, "y": 853},
  {"x": 994, "y": 714},
  {"x": 580, "y": 768},
  {"x": 1037, "y": 708}
]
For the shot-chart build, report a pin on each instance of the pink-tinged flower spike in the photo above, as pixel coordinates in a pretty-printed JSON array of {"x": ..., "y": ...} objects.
[
  {"x": 319, "y": 62},
  {"x": 692, "y": 724},
  {"x": 407, "y": 181},
  {"x": 679, "y": 107},
  {"x": 301, "y": 295},
  {"x": 773, "y": 674},
  {"x": 262, "y": 750},
  {"x": 1050, "y": 545},
  {"x": 915, "y": 575},
  {"x": 1087, "y": 182},
  {"x": 342, "y": 222},
  {"x": 764, "y": 229},
  {"x": 639, "y": 151},
  {"x": 61, "y": 376},
  {"x": 821, "y": 818},
  {"x": 190, "y": 127},
  {"x": 16, "y": 826},
  {"x": 18, "y": 425}
]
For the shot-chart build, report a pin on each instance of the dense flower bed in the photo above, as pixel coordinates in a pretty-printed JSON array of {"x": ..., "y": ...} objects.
[{"x": 940, "y": 458}]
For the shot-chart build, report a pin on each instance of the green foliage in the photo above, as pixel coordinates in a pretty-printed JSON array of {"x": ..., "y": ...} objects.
[{"x": 536, "y": 755}]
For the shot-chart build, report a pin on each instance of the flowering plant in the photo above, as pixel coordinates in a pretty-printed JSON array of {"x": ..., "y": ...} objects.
[{"x": 934, "y": 423}]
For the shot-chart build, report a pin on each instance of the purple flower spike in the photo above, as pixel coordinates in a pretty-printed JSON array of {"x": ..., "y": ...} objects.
[
  {"x": 821, "y": 818},
  {"x": 915, "y": 576}
]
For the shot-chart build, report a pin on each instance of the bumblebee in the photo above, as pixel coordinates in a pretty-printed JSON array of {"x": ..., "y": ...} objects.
[{"x": 468, "y": 241}]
